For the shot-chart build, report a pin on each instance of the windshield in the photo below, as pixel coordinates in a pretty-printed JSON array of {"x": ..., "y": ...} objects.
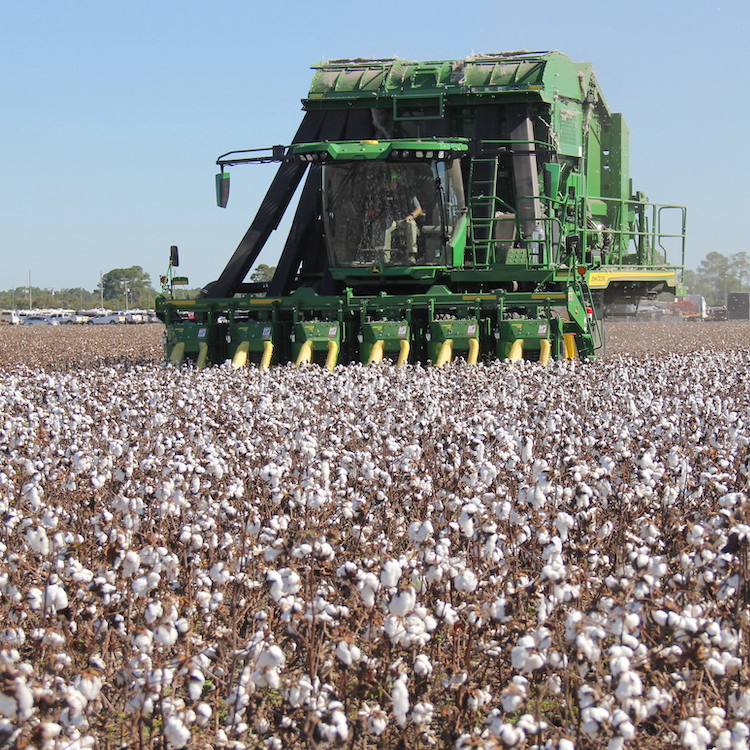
[{"x": 391, "y": 214}]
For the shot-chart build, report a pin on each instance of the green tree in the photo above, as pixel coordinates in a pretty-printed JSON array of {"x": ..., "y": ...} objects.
[
  {"x": 740, "y": 267},
  {"x": 127, "y": 287},
  {"x": 262, "y": 272},
  {"x": 715, "y": 272}
]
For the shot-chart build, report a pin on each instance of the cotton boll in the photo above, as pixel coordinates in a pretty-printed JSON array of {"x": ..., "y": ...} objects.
[
  {"x": 422, "y": 713},
  {"x": 514, "y": 696},
  {"x": 368, "y": 586},
  {"x": 154, "y": 611},
  {"x": 55, "y": 597},
  {"x": 177, "y": 734},
  {"x": 377, "y": 723},
  {"x": 203, "y": 714},
  {"x": 166, "y": 635},
  {"x": 35, "y": 598},
  {"x": 348, "y": 653},
  {"x": 400, "y": 699},
  {"x": 403, "y": 603},
  {"x": 390, "y": 574},
  {"x": 466, "y": 581},
  {"x": 422, "y": 665}
]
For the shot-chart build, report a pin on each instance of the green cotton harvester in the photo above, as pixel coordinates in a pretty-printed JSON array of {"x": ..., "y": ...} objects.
[{"x": 478, "y": 208}]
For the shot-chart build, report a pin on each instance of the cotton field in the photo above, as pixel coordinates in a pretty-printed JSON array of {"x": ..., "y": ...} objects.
[{"x": 489, "y": 556}]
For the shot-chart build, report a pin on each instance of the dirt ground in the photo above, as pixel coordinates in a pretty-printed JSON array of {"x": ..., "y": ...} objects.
[{"x": 60, "y": 347}]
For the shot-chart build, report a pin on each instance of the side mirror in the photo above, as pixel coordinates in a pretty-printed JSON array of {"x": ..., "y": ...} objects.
[
  {"x": 222, "y": 189},
  {"x": 174, "y": 256}
]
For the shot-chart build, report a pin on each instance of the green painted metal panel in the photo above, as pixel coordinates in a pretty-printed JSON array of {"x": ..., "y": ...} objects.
[{"x": 546, "y": 75}]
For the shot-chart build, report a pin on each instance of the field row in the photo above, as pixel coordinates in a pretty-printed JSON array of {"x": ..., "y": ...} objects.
[
  {"x": 66, "y": 346},
  {"x": 494, "y": 556}
]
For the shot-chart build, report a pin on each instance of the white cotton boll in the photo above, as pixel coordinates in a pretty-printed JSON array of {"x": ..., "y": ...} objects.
[
  {"x": 276, "y": 583},
  {"x": 694, "y": 735},
  {"x": 515, "y": 694},
  {"x": 202, "y": 714},
  {"x": 177, "y": 734},
  {"x": 154, "y": 611},
  {"x": 377, "y": 723},
  {"x": 724, "y": 741},
  {"x": 420, "y": 532},
  {"x": 143, "y": 640},
  {"x": 271, "y": 657},
  {"x": 629, "y": 686},
  {"x": 466, "y": 581},
  {"x": 422, "y": 713},
  {"x": 38, "y": 540},
  {"x": 219, "y": 574},
  {"x": 166, "y": 635},
  {"x": 403, "y": 603},
  {"x": 196, "y": 681},
  {"x": 130, "y": 563},
  {"x": 89, "y": 684},
  {"x": 390, "y": 574},
  {"x": 368, "y": 586},
  {"x": 35, "y": 598},
  {"x": 8, "y": 705},
  {"x": 592, "y": 719},
  {"x": 740, "y": 733},
  {"x": 527, "y": 450},
  {"x": 48, "y": 730},
  {"x": 25, "y": 699},
  {"x": 348, "y": 653},
  {"x": 714, "y": 666},
  {"x": 55, "y": 597},
  {"x": 400, "y": 698},
  {"x": 499, "y": 610},
  {"x": 511, "y": 702},
  {"x": 422, "y": 665},
  {"x": 140, "y": 586}
]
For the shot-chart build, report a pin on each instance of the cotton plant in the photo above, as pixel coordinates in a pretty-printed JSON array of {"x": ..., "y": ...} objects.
[{"x": 269, "y": 560}]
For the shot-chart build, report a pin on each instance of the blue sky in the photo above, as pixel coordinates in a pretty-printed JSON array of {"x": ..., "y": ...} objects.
[{"x": 114, "y": 113}]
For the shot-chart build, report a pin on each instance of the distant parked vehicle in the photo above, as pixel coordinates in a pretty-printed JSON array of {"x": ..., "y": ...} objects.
[
  {"x": 39, "y": 320},
  {"x": 74, "y": 319},
  {"x": 10, "y": 316},
  {"x": 67, "y": 318},
  {"x": 106, "y": 319}
]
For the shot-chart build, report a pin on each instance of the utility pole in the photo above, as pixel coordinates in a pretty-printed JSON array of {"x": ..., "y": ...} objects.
[
  {"x": 126, "y": 289},
  {"x": 30, "y": 305}
]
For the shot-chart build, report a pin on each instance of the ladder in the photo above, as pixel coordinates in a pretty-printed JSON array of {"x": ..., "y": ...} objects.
[{"x": 482, "y": 208}]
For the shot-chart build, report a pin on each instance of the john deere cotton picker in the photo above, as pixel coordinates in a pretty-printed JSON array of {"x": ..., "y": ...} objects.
[{"x": 478, "y": 208}]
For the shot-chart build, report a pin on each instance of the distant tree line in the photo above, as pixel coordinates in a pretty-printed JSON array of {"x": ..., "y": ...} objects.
[
  {"x": 119, "y": 289},
  {"x": 718, "y": 275}
]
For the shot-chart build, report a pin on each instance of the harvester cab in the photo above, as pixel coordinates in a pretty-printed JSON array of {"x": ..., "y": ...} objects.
[
  {"x": 480, "y": 208},
  {"x": 390, "y": 209}
]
